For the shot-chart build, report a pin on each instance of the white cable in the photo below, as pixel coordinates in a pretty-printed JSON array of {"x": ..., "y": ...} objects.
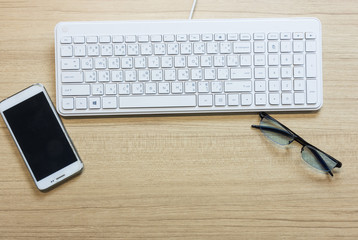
[{"x": 192, "y": 10}]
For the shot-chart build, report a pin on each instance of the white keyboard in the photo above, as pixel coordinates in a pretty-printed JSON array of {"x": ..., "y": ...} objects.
[{"x": 189, "y": 66}]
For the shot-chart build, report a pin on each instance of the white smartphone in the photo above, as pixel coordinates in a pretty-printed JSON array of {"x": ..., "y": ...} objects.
[{"x": 40, "y": 136}]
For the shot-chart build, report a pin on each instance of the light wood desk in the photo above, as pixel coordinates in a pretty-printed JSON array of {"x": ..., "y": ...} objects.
[{"x": 184, "y": 176}]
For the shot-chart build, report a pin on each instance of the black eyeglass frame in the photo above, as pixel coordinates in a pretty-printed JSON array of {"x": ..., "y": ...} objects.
[{"x": 300, "y": 140}]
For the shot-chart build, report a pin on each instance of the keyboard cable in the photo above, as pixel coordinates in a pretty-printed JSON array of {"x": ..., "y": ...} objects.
[{"x": 192, "y": 10}]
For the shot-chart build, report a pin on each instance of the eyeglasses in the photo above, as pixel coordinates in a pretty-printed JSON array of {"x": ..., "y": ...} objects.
[{"x": 280, "y": 134}]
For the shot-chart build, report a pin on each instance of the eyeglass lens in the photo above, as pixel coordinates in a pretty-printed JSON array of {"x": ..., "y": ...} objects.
[
  {"x": 310, "y": 155},
  {"x": 275, "y": 132}
]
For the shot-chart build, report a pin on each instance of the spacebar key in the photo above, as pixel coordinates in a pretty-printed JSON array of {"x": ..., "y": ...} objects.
[{"x": 157, "y": 101}]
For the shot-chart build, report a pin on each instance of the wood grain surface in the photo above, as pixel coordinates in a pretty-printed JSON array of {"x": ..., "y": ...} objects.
[{"x": 184, "y": 176}]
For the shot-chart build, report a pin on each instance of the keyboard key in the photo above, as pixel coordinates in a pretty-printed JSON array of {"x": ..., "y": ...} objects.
[
  {"x": 299, "y": 85},
  {"x": 259, "y": 36},
  {"x": 219, "y": 37},
  {"x": 286, "y": 85},
  {"x": 66, "y": 51},
  {"x": 71, "y": 77},
  {"x": 103, "y": 76},
  {"x": 117, "y": 39},
  {"x": 80, "y": 51},
  {"x": 70, "y": 64},
  {"x": 298, "y": 35},
  {"x": 260, "y": 73},
  {"x": 286, "y": 59},
  {"x": 151, "y": 88},
  {"x": 310, "y": 46},
  {"x": 273, "y": 47},
  {"x": 123, "y": 88},
  {"x": 104, "y": 39},
  {"x": 95, "y": 103},
  {"x": 246, "y": 99},
  {"x": 260, "y": 86},
  {"x": 238, "y": 86},
  {"x": 233, "y": 99},
  {"x": 90, "y": 76},
  {"x": 130, "y": 39},
  {"x": 260, "y": 99},
  {"x": 92, "y": 39},
  {"x": 311, "y": 65},
  {"x": 298, "y": 72},
  {"x": 157, "y": 101},
  {"x": 274, "y": 86},
  {"x": 245, "y": 37},
  {"x": 205, "y": 100},
  {"x": 311, "y": 91},
  {"x": 177, "y": 87},
  {"x": 245, "y": 59},
  {"x": 106, "y": 50},
  {"x": 143, "y": 38},
  {"x": 274, "y": 98},
  {"x": 298, "y": 46},
  {"x": 240, "y": 73},
  {"x": 163, "y": 88},
  {"x": 286, "y": 72},
  {"x": 299, "y": 98},
  {"x": 156, "y": 38},
  {"x": 216, "y": 87},
  {"x": 272, "y": 36},
  {"x": 220, "y": 100},
  {"x": 286, "y": 46},
  {"x": 117, "y": 76},
  {"x": 119, "y": 50},
  {"x": 100, "y": 63},
  {"x": 298, "y": 59},
  {"x": 190, "y": 87},
  {"x": 93, "y": 50},
  {"x": 310, "y": 35},
  {"x": 182, "y": 37},
  {"x": 97, "y": 89},
  {"x": 194, "y": 37},
  {"x": 286, "y": 98},
  {"x": 207, "y": 37},
  {"x": 109, "y": 102},
  {"x": 137, "y": 88},
  {"x": 242, "y": 47},
  {"x": 81, "y": 103},
  {"x": 76, "y": 90},
  {"x": 285, "y": 36},
  {"x": 273, "y": 73},
  {"x": 169, "y": 38},
  {"x": 203, "y": 87},
  {"x": 111, "y": 89},
  {"x": 66, "y": 40},
  {"x": 132, "y": 49},
  {"x": 232, "y": 36},
  {"x": 67, "y": 103}
]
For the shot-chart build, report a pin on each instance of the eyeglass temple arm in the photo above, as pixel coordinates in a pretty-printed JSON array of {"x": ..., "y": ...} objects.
[{"x": 272, "y": 129}]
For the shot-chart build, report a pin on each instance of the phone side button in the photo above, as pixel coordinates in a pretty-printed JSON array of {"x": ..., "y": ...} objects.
[{"x": 67, "y": 103}]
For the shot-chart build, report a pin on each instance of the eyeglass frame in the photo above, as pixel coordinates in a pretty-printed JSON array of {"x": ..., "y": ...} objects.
[{"x": 300, "y": 140}]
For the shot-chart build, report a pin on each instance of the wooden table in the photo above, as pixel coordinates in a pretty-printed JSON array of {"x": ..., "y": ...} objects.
[{"x": 184, "y": 176}]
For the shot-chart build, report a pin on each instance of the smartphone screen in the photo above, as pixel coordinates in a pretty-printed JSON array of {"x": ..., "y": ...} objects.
[{"x": 40, "y": 136}]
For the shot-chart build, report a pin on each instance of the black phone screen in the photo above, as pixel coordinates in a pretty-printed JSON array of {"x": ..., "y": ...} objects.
[{"x": 40, "y": 136}]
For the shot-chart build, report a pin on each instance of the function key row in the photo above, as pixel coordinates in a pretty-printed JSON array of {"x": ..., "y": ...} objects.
[{"x": 186, "y": 37}]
